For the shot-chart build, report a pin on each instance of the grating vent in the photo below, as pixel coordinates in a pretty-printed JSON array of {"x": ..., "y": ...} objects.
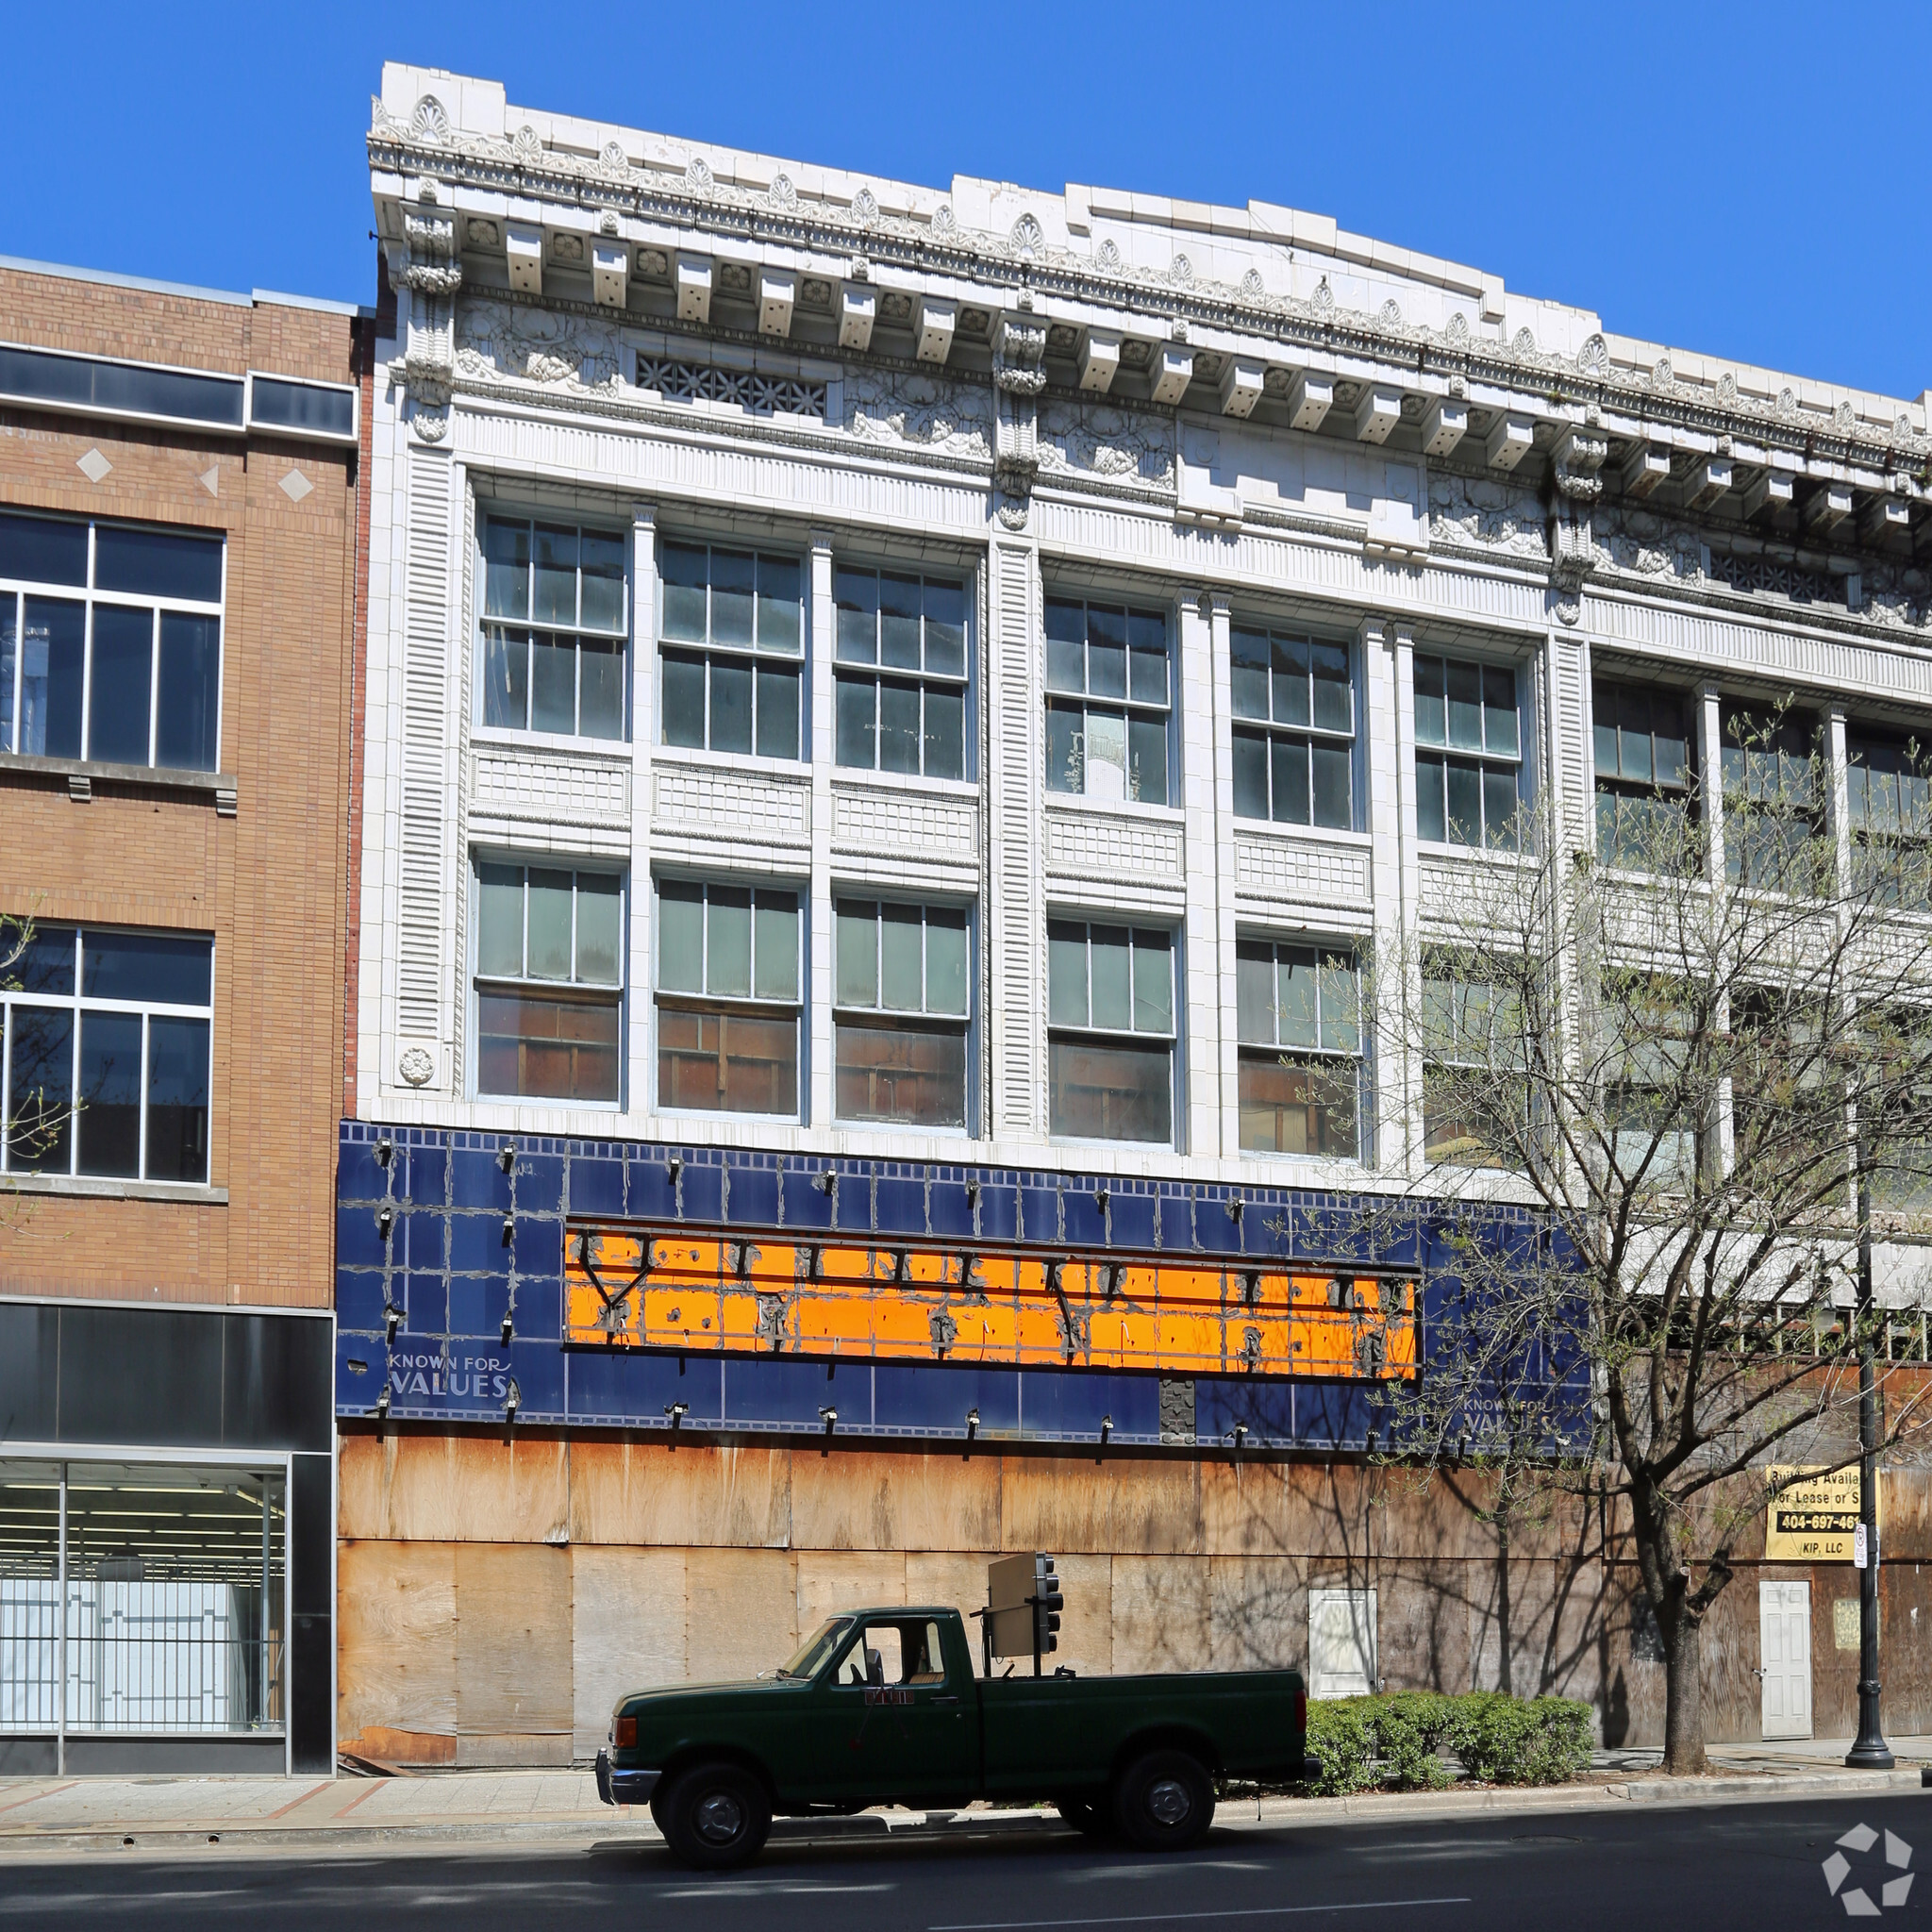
[
  {"x": 1767, "y": 574},
  {"x": 746, "y": 389}
]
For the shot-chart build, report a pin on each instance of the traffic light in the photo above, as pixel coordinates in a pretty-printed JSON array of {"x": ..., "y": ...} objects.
[{"x": 1047, "y": 1605}]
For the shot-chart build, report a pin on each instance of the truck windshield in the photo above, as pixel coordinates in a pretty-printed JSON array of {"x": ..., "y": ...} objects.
[{"x": 817, "y": 1648}]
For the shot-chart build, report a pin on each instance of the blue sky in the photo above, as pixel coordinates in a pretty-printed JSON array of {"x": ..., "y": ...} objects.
[{"x": 1747, "y": 181}]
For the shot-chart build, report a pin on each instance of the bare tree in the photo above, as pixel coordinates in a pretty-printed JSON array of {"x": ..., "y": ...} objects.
[{"x": 1665, "y": 1078}]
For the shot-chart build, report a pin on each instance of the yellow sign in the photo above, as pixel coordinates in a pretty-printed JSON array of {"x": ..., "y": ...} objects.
[
  {"x": 750, "y": 1294},
  {"x": 1815, "y": 1520}
]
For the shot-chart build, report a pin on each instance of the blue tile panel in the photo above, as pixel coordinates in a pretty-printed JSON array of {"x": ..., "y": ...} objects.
[{"x": 445, "y": 1237}]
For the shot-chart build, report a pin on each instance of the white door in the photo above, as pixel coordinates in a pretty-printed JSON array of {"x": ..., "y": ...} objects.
[{"x": 1783, "y": 1639}]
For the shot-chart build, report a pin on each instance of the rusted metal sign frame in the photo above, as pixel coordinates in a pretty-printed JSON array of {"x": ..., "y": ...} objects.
[{"x": 1000, "y": 1306}]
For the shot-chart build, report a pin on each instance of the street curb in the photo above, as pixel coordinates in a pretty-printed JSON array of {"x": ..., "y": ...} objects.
[{"x": 618, "y": 1832}]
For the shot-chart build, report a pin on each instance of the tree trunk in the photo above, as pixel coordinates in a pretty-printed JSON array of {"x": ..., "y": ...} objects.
[
  {"x": 1505, "y": 1676},
  {"x": 1683, "y": 1699}
]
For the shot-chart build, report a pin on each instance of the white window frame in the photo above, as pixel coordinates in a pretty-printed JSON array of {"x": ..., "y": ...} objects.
[
  {"x": 878, "y": 673},
  {"x": 752, "y": 655},
  {"x": 1128, "y": 707},
  {"x": 1058, "y": 1031},
  {"x": 1271, "y": 731},
  {"x": 965, "y": 1024},
  {"x": 1357, "y": 1057},
  {"x": 1517, "y": 763}
]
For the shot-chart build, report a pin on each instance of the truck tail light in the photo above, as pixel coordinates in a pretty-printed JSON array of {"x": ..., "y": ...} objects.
[
  {"x": 1300, "y": 1712},
  {"x": 624, "y": 1733}
]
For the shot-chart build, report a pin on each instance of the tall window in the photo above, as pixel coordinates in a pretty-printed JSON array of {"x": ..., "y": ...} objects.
[
  {"x": 1295, "y": 763},
  {"x": 110, "y": 643},
  {"x": 554, "y": 626},
  {"x": 105, "y": 1043},
  {"x": 1110, "y": 1031},
  {"x": 1775, "y": 791},
  {"x": 728, "y": 998},
  {"x": 1643, "y": 774},
  {"x": 1648, "y": 1026},
  {"x": 1468, "y": 784},
  {"x": 549, "y": 982},
  {"x": 901, "y": 1000},
  {"x": 1475, "y": 1091},
  {"x": 733, "y": 649},
  {"x": 1299, "y": 1011},
  {"x": 1888, "y": 791},
  {"x": 1109, "y": 697},
  {"x": 902, "y": 673}
]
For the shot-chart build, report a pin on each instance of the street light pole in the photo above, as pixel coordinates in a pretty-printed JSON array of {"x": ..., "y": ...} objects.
[{"x": 1871, "y": 1752}]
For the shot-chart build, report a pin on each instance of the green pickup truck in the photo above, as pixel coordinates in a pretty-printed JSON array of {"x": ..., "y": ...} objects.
[{"x": 883, "y": 1706}]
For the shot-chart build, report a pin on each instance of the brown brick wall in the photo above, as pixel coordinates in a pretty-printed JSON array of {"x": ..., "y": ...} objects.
[{"x": 270, "y": 882}]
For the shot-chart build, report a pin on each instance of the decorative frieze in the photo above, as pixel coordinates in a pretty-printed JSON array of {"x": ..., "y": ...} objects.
[
  {"x": 1300, "y": 871},
  {"x": 692, "y": 799},
  {"x": 1121, "y": 847}
]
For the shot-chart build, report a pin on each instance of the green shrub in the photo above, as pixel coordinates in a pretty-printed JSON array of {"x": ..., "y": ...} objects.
[{"x": 1395, "y": 1742}]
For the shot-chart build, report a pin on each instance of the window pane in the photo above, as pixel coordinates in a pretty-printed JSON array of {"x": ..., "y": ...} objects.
[
  {"x": 548, "y": 1047},
  {"x": 778, "y": 917},
  {"x": 1499, "y": 806},
  {"x": 945, "y": 628},
  {"x": 684, "y": 571},
  {"x": 1290, "y": 1106},
  {"x": 1253, "y": 979},
  {"x": 902, "y": 964},
  {"x": 1099, "y": 1092},
  {"x": 177, "y": 1092},
  {"x": 899, "y": 606},
  {"x": 1249, "y": 775},
  {"x": 1147, "y": 759},
  {"x": 156, "y": 564},
  {"x": 602, "y": 556},
  {"x": 145, "y": 966},
  {"x": 857, "y": 962},
  {"x": 43, "y": 550},
  {"x": 187, "y": 725},
  {"x": 46, "y": 964},
  {"x": 1465, "y": 687},
  {"x": 1107, "y": 652},
  {"x": 1289, "y": 760},
  {"x": 899, "y": 730},
  {"x": 855, "y": 698},
  {"x": 945, "y": 960},
  {"x": 600, "y": 939},
  {"x": 684, "y": 699},
  {"x": 109, "y": 1123},
  {"x": 778, "y": 696},
  {"x": 727, "y": 941},
  {"x": 1329, "y": 764},
  {"x": 1152, "y": 982},
  {"x": 506, "y": 569},
  {"x": 1107, "y": 755},
  {"x": 857, "y": 593},
  {"x": 1298, "y": 997},
  {"x": 555, "y": 573},
  {"x": 39, "y": 1090},
  {"x": 123, "y": 675},
  {"x": 1430, "y": 724},
  {"x": 1111, "y": 964},
  {"x": 1429, "y": 822},
  {"x": 600, "y": 689},
  {"x": 680, "y": 937},
  {"x": 1066, "y": 660},
  {"x": 554, "y": 684},
  {"x": 1633, "y": 739},
  {"x": 915, "y": 1075},
  {"x": 1334, "y": 703},
  {"x": 731, "y": 680},
  {"x": 549, "y": 914},
  {"x": 779, "y": 626},
  {"x": 1066, "y": 973},
  {"x": 1605, "y": 703},
  {"x": 1463, "y": 787},
  {"x": 1338, "y": 1019},
  {"x": 500, "y": 922},
  {"x": 1066, "y": 749},
  {"x": 1499, "y": 713},
  {"x": 945, "y": 731},
  {"x": 1672, "y": 743},
  {"x": 1147, "y": 653},
  {"x": 1248, "y": 659},
  {"x": 1291, "y": 658},
  {"x": 733, "y": 573},
  {"x": 9, "y": 657},
  {"x": 728, "y": 1062}
]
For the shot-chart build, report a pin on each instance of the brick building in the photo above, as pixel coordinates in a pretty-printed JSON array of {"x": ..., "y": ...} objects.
[
  {"x": 180, "y": 556},
  {"x": 896, "y": 717}
]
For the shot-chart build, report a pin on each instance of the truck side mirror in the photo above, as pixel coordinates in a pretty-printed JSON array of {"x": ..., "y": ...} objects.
[{"x": 874, "y": 1667}]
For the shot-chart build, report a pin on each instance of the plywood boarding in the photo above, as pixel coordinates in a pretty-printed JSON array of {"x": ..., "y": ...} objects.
[
  {"x": 397, "y": 1625},
  {"x": 913, "y": 1500},
  {"x": 513, "y": 1661},
  {"x": 1258, "y": 1612},
  {"x": 652, "y": 1493},
  {"x": 630, "y": 1624},
  {"x": 742, "y": 1611},
  {"x": 831, "y": 1580},
  {"x": 1100, "y": 1505},
  {"x": 1161, "y": 1614}
]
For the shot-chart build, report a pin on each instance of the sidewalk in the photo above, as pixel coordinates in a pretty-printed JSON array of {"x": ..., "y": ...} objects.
[{"x": 561, "y": 1806}]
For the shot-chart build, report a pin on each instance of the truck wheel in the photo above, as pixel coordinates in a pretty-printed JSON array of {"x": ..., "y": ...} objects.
[
  {"x": 1164, "y": 1801},
  {"x": 1090, "y": 1817},
  {"x": 716, "y": 1817}
]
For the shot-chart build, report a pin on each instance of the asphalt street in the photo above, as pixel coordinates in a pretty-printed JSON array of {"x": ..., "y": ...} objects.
[{"x": 1759, "y": 1866}]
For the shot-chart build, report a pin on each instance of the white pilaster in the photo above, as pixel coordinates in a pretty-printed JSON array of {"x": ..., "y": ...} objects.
[
  {"x": 823, "y": 746},
  {"x": 1202, "y": 655}
]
